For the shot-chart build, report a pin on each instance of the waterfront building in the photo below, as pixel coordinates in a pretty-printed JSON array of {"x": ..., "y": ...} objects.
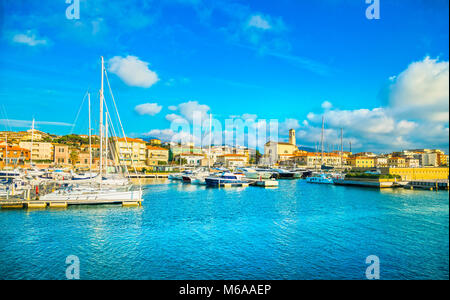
[
  {"x": 130, "y": 152},
  {"x": 13, "y": 155},
  {"x": 381, "y": 161},
  {"x": 361, "y": 162},
  {"x": 155, "y": 142},
  {"x": 316, "y": 160},
  {"x": 40, "y": 151},
  {"x": 191, "y": 159},
  {"x": 424, "y": 173},
  {"x": 430, "y": 159},
  {"x": 157, "y": 155},
  {"x": 364, "y": 154},
  {"x": 233, "y": 160},
  {"x": 442, "y": 159},
  {"x": 397, "y": 162},
  {"x": 412, "y": 162},
  {"x": 176, "y": 150},
  {"x": 273, "y": 151},
  {"x": 61, "y": 155}
]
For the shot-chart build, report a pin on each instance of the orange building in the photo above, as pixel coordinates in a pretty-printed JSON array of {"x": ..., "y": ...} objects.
[{"x": 13, "y": 155}]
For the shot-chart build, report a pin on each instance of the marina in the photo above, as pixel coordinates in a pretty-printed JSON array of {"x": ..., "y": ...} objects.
[{"x": 295, "y": 231}]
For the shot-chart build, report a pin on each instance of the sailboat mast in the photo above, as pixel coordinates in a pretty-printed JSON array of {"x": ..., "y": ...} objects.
[
  {"x": 321, "y": 138},
  {"x": 101, "y": 121},
  {"x": 6, "y": 154},
  {"x": 342, "y": 145},
  {"x": 32, "y": 142},
  {"x": 90, "y": 138},
  {"x": 209, "y": 149},
  {"x": 106, "y": 141}
]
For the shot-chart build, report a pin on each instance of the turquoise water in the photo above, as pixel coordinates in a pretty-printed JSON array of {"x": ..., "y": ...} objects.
[{"x": 297, "y": 231}]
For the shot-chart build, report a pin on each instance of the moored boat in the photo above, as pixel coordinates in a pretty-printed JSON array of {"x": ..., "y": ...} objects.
[
  {"x": 224, "y": 178},
  {"x": 320, "y": 179}
]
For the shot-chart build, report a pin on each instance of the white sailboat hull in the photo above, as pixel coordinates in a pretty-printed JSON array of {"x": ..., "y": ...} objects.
[{"x": 100, "y": 196}]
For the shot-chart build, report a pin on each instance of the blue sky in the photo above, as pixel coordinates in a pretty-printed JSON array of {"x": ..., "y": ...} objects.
[{"x": 384, "y": 81}]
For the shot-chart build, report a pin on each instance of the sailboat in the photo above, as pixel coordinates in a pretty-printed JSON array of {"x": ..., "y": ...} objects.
[
  {"x": 118, "y": 187},
  {"x": 321, "y": 178}
]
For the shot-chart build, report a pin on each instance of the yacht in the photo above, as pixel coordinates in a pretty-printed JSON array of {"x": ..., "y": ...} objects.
[
  {"x": 284, "y": 174},
  {"x": 74, "y": 193},
  {"x": 255, "y": 174},
  {"x": 10, "y": 173},
  {"x": 224, "y": 178},
  {"x": 320, "y": 179}
]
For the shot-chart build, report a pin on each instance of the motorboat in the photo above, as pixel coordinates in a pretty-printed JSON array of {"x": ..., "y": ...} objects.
[
  {"x": 255, "y": 174},
  {"x": 320, "y": 179},
  {"x": 224, "y": 178},
  {"x": 284, "y": 174},
  {"x": 10, "y": 173}
]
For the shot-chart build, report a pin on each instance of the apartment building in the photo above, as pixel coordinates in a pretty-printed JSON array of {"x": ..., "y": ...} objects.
[
  {"x": 130, "y": 152},
  {"x": 40, "y": 151}
]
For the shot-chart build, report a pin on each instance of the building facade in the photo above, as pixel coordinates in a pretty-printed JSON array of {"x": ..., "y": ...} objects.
[{"x": 40, "y": 151}]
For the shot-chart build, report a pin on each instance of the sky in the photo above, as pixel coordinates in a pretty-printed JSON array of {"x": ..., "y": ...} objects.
[{"x": 384, "y": 81}]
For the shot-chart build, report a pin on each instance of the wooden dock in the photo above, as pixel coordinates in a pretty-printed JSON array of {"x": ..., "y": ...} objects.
[{"x": 264, "y": 183}]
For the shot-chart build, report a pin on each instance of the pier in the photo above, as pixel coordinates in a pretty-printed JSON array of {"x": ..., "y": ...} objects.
[
  {"x": 37, "y": 204},
  {"x": 432, "y": 185}
]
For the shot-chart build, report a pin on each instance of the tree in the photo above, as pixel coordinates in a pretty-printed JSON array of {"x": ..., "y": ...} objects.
[{"x": 74, "y": 157}]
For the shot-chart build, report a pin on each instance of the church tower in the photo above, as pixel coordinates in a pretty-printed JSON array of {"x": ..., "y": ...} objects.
[{"x": 292, "y": 139}]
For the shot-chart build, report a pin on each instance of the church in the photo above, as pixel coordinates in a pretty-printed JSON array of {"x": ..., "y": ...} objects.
[{"x": 277, "y": 151}]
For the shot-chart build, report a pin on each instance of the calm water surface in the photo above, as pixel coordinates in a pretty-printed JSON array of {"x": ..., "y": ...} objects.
[{"x": 297, "y": 231}]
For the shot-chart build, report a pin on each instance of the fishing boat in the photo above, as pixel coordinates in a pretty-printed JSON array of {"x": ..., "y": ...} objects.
[
  {"x": 320, "y": 179},
  {"x": 224, "y": 178}
]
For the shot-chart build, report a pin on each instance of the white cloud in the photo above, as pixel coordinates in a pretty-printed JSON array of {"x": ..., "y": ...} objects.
[
  {"x": 245, "y": 116},
  {"x": 28, "y": 123},
  {"x": 173, "y": 107},
  {"x": 259, "y": 22},
  {"x": 150, "y": 109},
  {"x": 188, "y": 109},
  {"x": 171, "y": 136},
  {"x": 29, "y": 38},
  {"x": 173, "y": 117},
  {"x": 422, "y": 91},
  {"x": 133, "y": 71},
  {"x": 327, "y": 105}
]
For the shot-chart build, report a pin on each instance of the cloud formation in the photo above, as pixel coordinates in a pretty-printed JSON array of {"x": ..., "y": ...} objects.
[
  {"x": 133, "y": 71},
  {"x": 29, "y": 38},
  {"x": 188, "y": 109},
  {"x": 422, "y": 91},
  {"x": 150, "y": 109}
]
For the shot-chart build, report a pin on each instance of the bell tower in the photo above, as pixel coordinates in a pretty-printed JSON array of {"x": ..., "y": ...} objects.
[{"x": 292, "y": 139}]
